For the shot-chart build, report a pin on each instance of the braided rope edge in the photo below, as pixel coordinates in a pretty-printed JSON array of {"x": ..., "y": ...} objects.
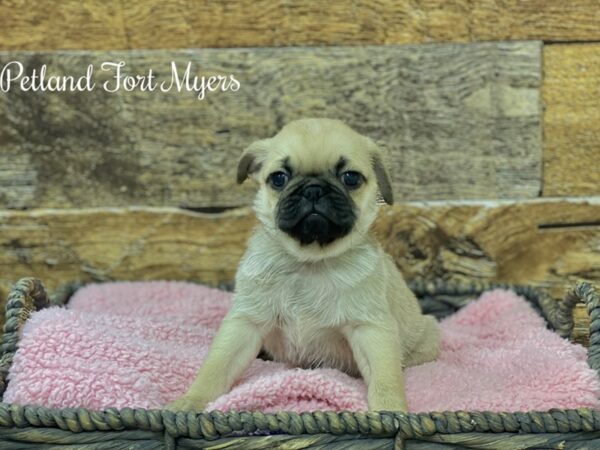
[
  {"x": 557, "y": 314},
  {"x": 218, "y": 424},
  {"x": 28, "y": 295},
  {"x": 586, "y": 293}
]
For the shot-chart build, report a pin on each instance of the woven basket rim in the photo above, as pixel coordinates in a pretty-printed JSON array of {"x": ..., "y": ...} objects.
[{"x": 29, "y": 295}]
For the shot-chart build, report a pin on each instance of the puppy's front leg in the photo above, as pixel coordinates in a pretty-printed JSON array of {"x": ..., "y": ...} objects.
[
  {"x": 235, "y": 346},
  {"x": 378, "y": 355}
]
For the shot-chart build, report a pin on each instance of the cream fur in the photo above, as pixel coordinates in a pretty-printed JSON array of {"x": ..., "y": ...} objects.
[{"x": 345, "y": 305}]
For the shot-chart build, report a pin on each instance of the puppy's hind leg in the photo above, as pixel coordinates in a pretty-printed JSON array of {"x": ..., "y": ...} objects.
[{"x": 427, "y": 347}]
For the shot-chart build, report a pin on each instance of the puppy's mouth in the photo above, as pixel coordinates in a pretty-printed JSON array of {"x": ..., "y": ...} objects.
[{"x": 316, "y": 211}]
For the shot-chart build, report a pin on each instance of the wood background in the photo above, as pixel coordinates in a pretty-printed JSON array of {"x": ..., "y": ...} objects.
[
  {"x": 116, "y": 25},
  {"x": 95, "y": 186},
  {"x": 452, "y": 133},
  {"x": 545, "y": 242},
  {"x": 572, "y": 119}
]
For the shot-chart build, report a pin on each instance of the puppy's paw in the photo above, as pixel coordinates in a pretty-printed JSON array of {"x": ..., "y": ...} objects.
[
  {"x": 388, "y": 403},
  {"x": 187, "y": 403}
]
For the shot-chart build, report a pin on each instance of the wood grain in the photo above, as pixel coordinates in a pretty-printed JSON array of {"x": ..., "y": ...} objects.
[
  {"x": 572, "y": 120},
  {"x": 122, "y": 243},
  {"x": 67, "y": 24},
  {"x": 461, "y": 121},
  {"x": 113, "y": 25},
  {"x": 545, "y": 243},
  {"x": 581, "y": 328}
]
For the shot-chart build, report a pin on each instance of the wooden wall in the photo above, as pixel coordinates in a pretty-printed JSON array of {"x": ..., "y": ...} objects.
[{"x": 490, "y": 109}]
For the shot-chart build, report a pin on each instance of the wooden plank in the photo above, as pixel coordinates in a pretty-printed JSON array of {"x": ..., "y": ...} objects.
[
  {"x": 572, "y": 119},
  {"x": 112, "y": 25},
  {"x": 461, "y": 121},
  {"x": 545, "y": 243},
  {"x": 122, "y": 243},
  {"x": 68, "y": 24},
  {"x": 548, "y": 20}
]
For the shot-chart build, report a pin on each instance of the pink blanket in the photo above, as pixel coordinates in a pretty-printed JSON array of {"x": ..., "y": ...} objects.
[{"x": 140, "y": 345}]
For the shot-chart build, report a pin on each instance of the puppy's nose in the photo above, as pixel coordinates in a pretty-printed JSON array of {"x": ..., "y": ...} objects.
[{"x": 313, "y": 192}]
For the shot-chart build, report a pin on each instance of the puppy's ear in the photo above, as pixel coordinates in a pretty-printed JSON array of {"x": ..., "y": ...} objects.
[
  {"x": 250, "y": 161},
  {"x": 382, "y": 175},
  {"x": 383, "y": 180}
]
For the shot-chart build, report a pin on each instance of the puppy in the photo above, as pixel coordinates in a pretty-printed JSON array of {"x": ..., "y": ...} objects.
[{"x": 314, "y": 288}]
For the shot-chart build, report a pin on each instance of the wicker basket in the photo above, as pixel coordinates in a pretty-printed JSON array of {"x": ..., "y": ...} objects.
[{"x": 37, "y": 427}]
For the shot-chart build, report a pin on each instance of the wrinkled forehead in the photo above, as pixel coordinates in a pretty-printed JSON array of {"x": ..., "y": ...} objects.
[{"x": 316, "y": 150}]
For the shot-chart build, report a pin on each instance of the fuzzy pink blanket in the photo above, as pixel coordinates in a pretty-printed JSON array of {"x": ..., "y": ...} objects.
[{"x": 140, "y": 345}]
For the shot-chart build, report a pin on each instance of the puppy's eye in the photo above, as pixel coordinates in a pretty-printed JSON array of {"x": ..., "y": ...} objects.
[
  {"x": 351, "y": 179},
  {"x": 278, "y": 179}
]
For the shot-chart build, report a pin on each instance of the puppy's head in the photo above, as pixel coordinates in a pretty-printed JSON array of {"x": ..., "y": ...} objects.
[{"x": 319, "y": 182}]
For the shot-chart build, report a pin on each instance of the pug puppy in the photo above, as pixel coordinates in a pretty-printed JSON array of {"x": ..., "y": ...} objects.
[{"x": 314, "y": 288}]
